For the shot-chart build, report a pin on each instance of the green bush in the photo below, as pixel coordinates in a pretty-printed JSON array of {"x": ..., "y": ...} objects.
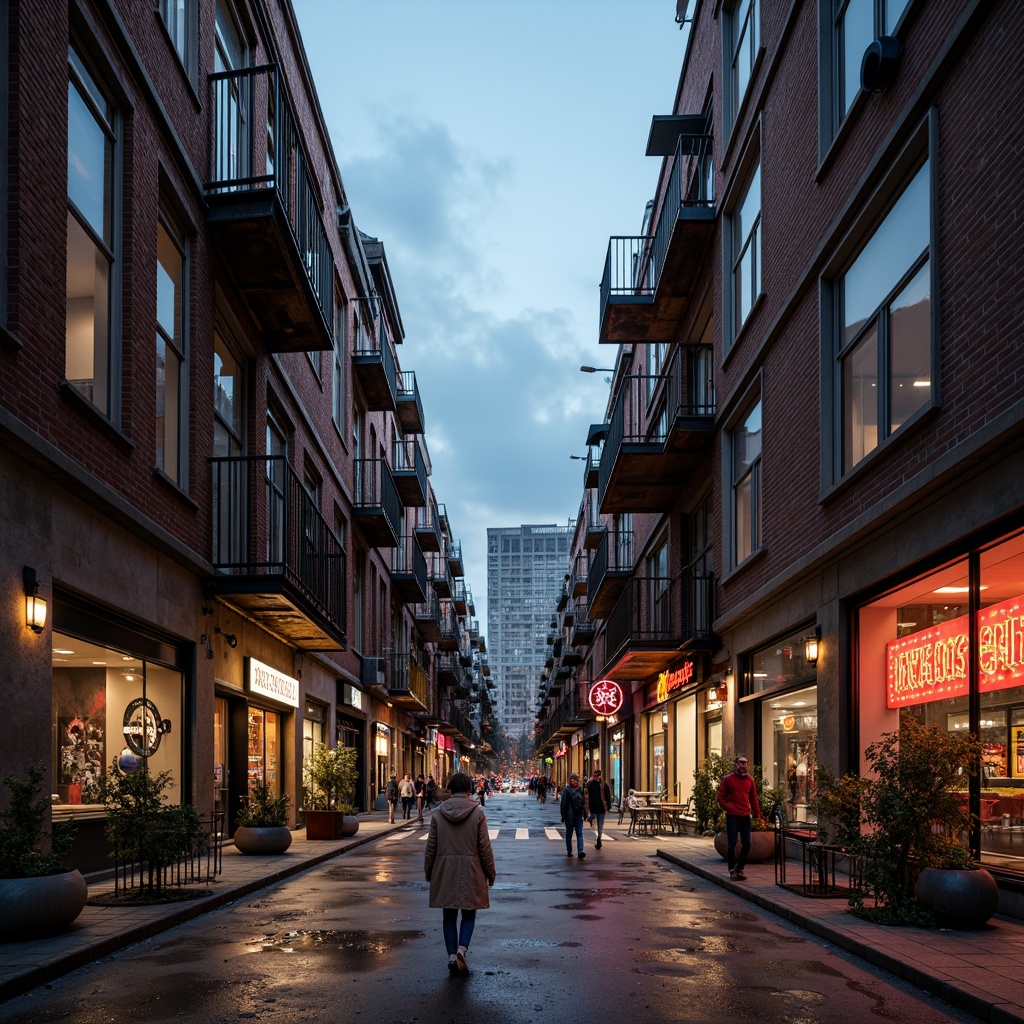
[
  {"x": 261, "y": 809},
  {"x": 329, "y": 777},
  {"x": 707, "y": 777},
  {"x": 27, "y": 848}
]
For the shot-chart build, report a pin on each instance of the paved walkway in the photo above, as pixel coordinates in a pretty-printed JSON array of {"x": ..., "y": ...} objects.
[{"x": 977, "y": 971}]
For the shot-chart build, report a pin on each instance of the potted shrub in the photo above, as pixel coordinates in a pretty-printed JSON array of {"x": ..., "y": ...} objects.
[
  {"x": 263, "y": 823},
  {"x": 916, "y": 868},
  {"x": 329, "y": 777},
  {"x": 39, "y": 894}
]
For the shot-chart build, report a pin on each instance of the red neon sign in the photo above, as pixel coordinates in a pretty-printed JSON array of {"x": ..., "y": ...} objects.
[
  {"x": 605, "y": 697},
  {"x": 933, "y": 664}
]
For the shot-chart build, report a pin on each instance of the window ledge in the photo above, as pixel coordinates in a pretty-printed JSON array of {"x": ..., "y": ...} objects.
[
  {"x": 745, "y": 329},
  {"x": 72, "y": 395},
  {"x": 736, "y": 570},
  {"x": 10, "y": 340},
  {"x": 173, "y": 485}
]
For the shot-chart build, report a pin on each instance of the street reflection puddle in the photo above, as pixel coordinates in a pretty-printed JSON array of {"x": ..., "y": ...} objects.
[
  {"x": 539, "y": 944},
  {"x": 587, "y": 899},
  {"x": 358, "y": 949}
]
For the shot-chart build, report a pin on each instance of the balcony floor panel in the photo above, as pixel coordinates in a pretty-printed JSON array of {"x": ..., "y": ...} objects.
[
  {"x": 279, "y": 612},
  {"x": 375, "y": 528},
  {"x": 409, "y": 490},
  {"x": 646, "y": 478},
  {"x": 608, "y": 594},
  {"x": 639, "y": 660},
  {"x": 408, "y": 588},
  {"x": 377, "y": 390},
  {"x": 408, "y": 414}
]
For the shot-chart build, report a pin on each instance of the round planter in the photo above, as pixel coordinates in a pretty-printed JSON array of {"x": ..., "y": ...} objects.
[
  {"x": 959, "y": 898},
  {"x": 262, "y": 841},
  {"x": 40, "y": 906},
  {"x": 330, "y": 825},
  {"x": 762, "y": 847},
  {"x": 349, "y": 826}
]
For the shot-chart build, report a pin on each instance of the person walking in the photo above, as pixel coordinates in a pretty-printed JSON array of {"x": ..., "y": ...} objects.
[
  {"x": 430, "y": 792},
  {"x": 420, "y": 795},
  {"x": 407, "y": 791},
  {"x": 459, "y": 865},
  {"x": 391, "y": 795},
  {"x": 737, "y": 796},
  {"x": 599, "y": 801},
  {"x": 573, "y": 808}
]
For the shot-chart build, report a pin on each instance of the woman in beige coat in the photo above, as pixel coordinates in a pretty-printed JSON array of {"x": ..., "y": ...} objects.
[{"x": 459, "y": 866}]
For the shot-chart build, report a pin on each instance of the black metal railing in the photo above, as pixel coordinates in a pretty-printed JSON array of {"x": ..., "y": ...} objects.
[
  {"x": 408, "y": 391},
  {"x": 408, "y": 560},
  {"x": 407, "y": 459},
  {"x": 408, "y": 677},
  {"x": 451, "y": 629},
  {"x": 648, "y": 613},
  {"x": 613, "y": 554},
  {"x": 375, "y": 489},
  {"x": 373, "y": 340},
  {"x": 428, "y": 524},
  {"x": 266, "y": 523},
  {"x": 257, "y": 147}
]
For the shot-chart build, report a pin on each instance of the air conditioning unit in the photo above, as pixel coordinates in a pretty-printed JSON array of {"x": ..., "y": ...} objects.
[{"x": 372, "y": 672}]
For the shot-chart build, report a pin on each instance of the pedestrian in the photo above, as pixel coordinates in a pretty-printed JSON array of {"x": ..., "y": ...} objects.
[
  {"x": 420, "y": 785},
  {"x": 391, "y": 795},
  {"x": 573, "y": 807},
  {"x": 481, "y": 792},
  {"x": 459, "y": 865},
  {"x": 599, "y": 800},
  {"x": 430, "y": 792},
  {"x": 737, "y": 796},
  {"x": 407, "y": 791}
]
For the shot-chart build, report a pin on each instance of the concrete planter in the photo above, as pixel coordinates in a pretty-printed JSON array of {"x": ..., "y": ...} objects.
[
  {"x": 958, "y": 897},
  {"x": 262, "y": 841},
  {"x": 330, "y": 825},
  {"x": 762, "y": 847},
  {"x": 40, "y": 906}
]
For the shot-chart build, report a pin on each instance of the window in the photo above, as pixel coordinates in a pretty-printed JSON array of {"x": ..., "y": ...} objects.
[
  {"x": 92, "y": 226},
  {"x": 180, "y": 21},
  {"x": 338, "y": 379},
  {"x": 742, "y": 40},
  {"x": 228, "y": 442},
  {"x": 884, "y": 357},
  {"x": 171, "y": 354},
  {"x": 745, "y": 441},
  {"x": 745, "y": 250},
  {"x": 659, "y": 594},
  {"x": 276, "y": 489}
]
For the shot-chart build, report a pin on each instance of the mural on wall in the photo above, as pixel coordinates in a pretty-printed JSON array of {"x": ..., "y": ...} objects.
[{"x": 80, "y": 709}]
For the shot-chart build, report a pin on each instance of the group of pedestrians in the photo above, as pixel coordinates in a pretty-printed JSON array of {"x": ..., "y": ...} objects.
[{"x": 418, "y": 793}]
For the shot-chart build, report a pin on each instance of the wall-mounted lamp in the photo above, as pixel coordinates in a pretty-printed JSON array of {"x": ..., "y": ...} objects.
[
  {"x": 231, "y": 639},
  {"x": 35, "y": 606},
  {"x": 718, "y": 694},
  {"x": 811, "y": 644}
]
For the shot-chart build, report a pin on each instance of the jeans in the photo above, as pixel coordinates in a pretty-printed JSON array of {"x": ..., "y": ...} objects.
[
  {"x": 455, "y": 937},
  {"x": 407, "y": 806},
  {"x": 574, "y": 825},
  {"x": 737, "y": 824},
  {"x": 600, "y": 825}
]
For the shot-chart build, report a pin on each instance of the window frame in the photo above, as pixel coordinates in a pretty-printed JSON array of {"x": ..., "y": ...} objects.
[
  {"x": 753, "y": 398},
  {"x": 180, "y": 347},
  {"x": 182, "y": 30},
  {"x": 921, "y": 148},
  {"x": 338, "y": 381},
  {"x": 740, "y": 16},
  {"x": 749, "y": 166}
]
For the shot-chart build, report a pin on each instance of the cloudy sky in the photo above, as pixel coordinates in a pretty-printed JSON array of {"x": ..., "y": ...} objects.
[{"x": 494, "y": 146}]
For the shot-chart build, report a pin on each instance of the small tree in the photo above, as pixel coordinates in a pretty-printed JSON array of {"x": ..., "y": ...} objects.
[
  {"x": 329, "y": 776},
  {"x": 838, "y": 800},
  {"x": 706, "y": 779},
  {"x": 27, "y": 848}
]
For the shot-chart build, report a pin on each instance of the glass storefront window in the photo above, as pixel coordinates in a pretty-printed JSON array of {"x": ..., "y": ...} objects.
[
  {"x": 264, "y": 736},
  {"x": 789, "y": 745},
  {"x": 778, "y": 665},
  {"x": 656, "y": 741},
  {"x": 111, "y": 709}
]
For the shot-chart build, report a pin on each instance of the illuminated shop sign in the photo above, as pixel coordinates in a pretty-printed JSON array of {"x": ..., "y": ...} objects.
[
  {"x": 605, "y": 697},
  {"x": 932, "y": 664},
  {"x": 268, "y": 682},
  {"x": 670, "y": 681}
]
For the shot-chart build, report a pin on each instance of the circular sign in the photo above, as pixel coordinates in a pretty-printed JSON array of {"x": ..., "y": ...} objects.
[
  {"x": 605, "y": 697},
  {"x": 141, "y": 727}
]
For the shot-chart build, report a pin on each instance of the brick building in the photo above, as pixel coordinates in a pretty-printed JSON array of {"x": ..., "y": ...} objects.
[
  {"x": 804, "y": 506},
  {"x": 213, "y": 468}
]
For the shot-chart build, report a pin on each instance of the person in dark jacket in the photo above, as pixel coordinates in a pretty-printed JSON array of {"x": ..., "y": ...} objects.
[
  {"x": 573, "y": 807},
  {"x": 459, "y": 865},
  {"x": 599, "y": 801},
  {"x": 391, "y": 795},
  {"x": 737, "y": 796},
  {"x": 430, "y": 792}
]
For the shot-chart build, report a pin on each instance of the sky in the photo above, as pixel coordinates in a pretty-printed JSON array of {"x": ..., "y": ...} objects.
[{"x": 494, "y": 147}]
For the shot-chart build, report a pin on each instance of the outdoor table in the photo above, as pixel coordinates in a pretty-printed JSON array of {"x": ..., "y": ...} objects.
[{"x": 672, "y": 817}]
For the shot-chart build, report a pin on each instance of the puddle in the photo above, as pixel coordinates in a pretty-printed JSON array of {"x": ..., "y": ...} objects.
[{"x": 357, "y": 949}]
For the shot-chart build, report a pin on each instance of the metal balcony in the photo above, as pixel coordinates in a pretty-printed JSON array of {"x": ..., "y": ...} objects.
[
  {"x": 410, "y": 472},
  {"x": 584, "y": 630},
  {"x": 459, "y": 597},
  {"x": 409, "y": 407},
  {"x": 449, "y": 672},
  {"x": 451, "y": 630},
  {"x": 408, "y": 683},
  {"x": 609, "y": 572},
  {"x": 649, "y": 279},
  {"x": 455, "y": 723},
  {"x": 660, "y": 429},
  {"x": 427, "y": 617},
  {"x": 440, "y": 575},
  {"x": 580, "y": 574},
  {"x": 373, "y": 361},
  {"x": 409, "y": 571},
  {"x": 455, "y": 558},
  {"x": 263, "y": 212},
  {"x": 376, "y": 509},
  {"x": 428, "y": 526},
  {"x": 277, "y": 559}
]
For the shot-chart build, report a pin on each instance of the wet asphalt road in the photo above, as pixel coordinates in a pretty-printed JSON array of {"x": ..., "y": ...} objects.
[{"x": 619, "y": 936}]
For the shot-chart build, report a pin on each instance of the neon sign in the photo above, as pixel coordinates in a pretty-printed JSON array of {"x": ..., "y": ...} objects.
[
  {"x": 605, "y": 697},
  {"x": 933, "y": 664},
  {"x": 669, "y": 681}
]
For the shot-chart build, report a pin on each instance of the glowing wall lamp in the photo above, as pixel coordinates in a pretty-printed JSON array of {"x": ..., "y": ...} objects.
[
  {"x": 811, "y": 644},
  {"x": 35, "y": 606}
]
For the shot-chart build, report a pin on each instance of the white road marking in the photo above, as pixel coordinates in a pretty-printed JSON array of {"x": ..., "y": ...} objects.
[{"x": 522, "y": 833}]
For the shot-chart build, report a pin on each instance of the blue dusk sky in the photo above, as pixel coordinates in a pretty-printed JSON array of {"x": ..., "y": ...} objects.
[{"x": 494, "y": 146}]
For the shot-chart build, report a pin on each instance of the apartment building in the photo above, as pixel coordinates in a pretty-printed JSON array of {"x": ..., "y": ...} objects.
[
  {"x": 220, "y": 540},
  {"x": 803, "y": 510}
]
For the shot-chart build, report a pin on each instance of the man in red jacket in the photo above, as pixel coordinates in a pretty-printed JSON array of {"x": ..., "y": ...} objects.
[{"x": 737, "y": 796}]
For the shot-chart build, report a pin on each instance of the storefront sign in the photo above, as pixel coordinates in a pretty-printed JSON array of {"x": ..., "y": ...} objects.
[
  {"x": 268, "y": 682},
  {"x": 932, "y": 664},
  {"x": 675, "y": 680},
  {"x": 142, "y": 727},
  {"x": 605, "y": 697}
]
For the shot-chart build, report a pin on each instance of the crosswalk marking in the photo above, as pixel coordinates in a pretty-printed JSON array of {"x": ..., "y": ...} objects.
[
  {"x": 522, "y": 833},
  {"x": 552, "y": 833},
  {"x": 493, "y": 833}
]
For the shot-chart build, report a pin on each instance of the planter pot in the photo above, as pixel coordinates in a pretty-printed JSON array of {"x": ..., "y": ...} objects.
[
  {"x": 262, "y": 840},
  {"x": 762, "y": 847},
  {"x": 959, "y": 898},
  {"x": 330, "y": 825},
  {"x": 40, "y": 906}
]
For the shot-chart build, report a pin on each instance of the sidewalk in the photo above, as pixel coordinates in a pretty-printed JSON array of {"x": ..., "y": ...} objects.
[
  {"x": 976, "y": 971},
  {"x": 979, "y": 972}
]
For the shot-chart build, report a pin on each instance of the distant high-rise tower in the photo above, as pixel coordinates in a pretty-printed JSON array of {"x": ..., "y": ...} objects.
[{"x": 525, "y": 569}]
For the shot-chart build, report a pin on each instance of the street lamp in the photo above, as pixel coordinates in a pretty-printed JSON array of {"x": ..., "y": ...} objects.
[{"x": 597, "y": 369}]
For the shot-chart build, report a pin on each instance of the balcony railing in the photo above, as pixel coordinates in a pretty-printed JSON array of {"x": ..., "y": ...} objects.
[
  {"x": 409, "y": 406},
  {"x": 455, "y": 558},
  {"x": 451, "y": 630},
  {"x": 459, "y": 597},
  {"x": 639, "y": 269},
  {"x": 376, "y": 507},
  {"x": 427, "y": 616},
  {"x": 612, "y": 566},
  {"x": 264, "y": 210},
  {"x": 409, "y": 571},
  {"x": 270, "y": 539},
  {"x": 410, "y": 472},
  {"x": 373, "y": 361},
  {"x": 408, "y": 683},
  {"x": 428, "y": 525}
]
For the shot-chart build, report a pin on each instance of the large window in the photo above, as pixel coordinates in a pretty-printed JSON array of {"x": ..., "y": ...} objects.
[
  {"x": 745, "y": 441},
  {"x": 338, "y": 378},
  {"x": 171, "y": 354},
  {"x": 745, "y": 244},
  {"x": 91, "y": 230},
  {"x": 884, "y": 334},
  {"x": 742, "y": 37},
  {"x": 180, "y": 18}
]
